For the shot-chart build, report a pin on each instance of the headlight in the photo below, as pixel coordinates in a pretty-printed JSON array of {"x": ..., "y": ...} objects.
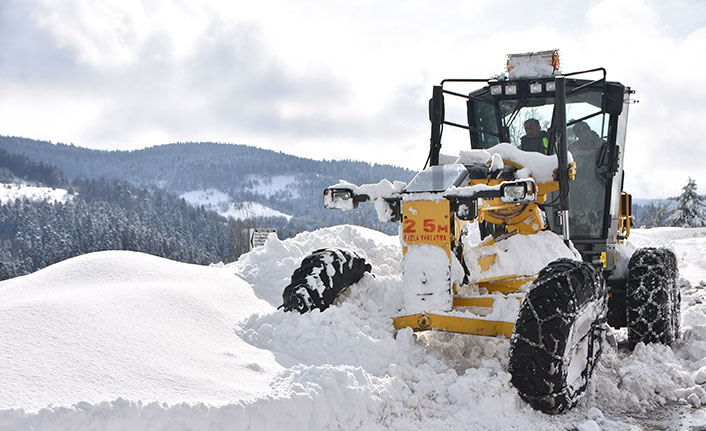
[
  {"x": 514, "y": 192},
  {"x": 511, "y": 89},
  {"x": 551, "y": 86},
  {"x": 496, "y": 90},
  {"x": 341, "y": 199},
  {"x": 518, "y": 192},
  {"x": 341, "y": 194},
  {"x": 535, "y": 87}
]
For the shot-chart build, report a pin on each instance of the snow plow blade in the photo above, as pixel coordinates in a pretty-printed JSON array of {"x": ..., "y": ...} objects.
[{"x": 462, "y": 325}]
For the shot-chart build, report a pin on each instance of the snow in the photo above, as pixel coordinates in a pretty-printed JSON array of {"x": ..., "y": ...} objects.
[
  {"x": 431, "y": 183},
  {"x": 689, "y": 245},
  {"x": 123, "y": 340},
  {"x": 207, "y": 198},
  {"x": 376, "y": 192},
  {"x": 530, "y": 65},
  {"x": 426, "y": 279},
  {"x": 269, "y": 268},
  {"x": 536, "y": 165},
  {"x": 523, "y": 255},
  {"x": 127, "y": 324},
  {"x": 269, "y": 186},
  {"x": 577, "y": 354},
  {"x": 11, "y": 191},
  {"x": 496, "y": 162},
  {"x": 470, "y": 191},
  {"x": 248, "y": 210},
  {"x": 220, "y": 202}
]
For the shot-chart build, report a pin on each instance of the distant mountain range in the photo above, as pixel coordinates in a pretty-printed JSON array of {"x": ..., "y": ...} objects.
[{"x": 248, "y": 177}]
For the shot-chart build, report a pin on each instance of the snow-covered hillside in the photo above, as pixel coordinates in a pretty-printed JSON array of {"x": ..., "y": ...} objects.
[
  {"x": 270, "y": 186},
  {"x": 267, "y": 186},
  {"x": 11, "y": 191},
  {"x": 221, "y": 203},
  {"x": 122, "y": 340}
]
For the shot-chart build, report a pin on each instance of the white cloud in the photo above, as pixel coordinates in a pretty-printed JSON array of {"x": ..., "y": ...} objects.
[
  {"x": 333, "y": 79},
  {"x": 102, "y": 33},
  {"x": 665, "y": 70}
]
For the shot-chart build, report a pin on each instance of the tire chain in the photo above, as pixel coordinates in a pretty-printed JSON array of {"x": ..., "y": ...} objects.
[
  {"x": 537, "y": 363},
  {"x": 653, "y": 297}
]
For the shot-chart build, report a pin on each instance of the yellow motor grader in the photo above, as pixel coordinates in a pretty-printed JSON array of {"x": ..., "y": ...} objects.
[{"x": 521, "y": 234}]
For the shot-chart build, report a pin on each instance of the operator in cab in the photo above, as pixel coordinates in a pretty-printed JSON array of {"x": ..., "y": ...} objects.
[
  {"x": 587, "y": 190},
  {"x": 586, "y": 138},
  {"x": 536, "y": 139}
]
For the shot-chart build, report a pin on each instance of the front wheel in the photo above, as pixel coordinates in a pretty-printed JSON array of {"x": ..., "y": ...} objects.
[{"x": 558, "y": 334}]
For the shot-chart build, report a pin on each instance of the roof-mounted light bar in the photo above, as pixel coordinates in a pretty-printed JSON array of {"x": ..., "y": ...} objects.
[{"x": 514, "y": 88}]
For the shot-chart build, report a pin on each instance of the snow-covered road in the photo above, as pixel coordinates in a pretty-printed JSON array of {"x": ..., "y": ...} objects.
[{"x": 123, "y": 340}]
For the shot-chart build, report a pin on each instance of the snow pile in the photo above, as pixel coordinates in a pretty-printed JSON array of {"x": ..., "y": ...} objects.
[
  {"x": 127, "y": 324},
  {"x": 536, "y": 165},
  {"x": 220, "y": 202},
  {"x": 121, "y": 340},
  {"x": 269, "y": 268},
  {"x": 652, "y": 375},
  {"x": 524, "y": 255},
  {"x": 11, "y": 191}
]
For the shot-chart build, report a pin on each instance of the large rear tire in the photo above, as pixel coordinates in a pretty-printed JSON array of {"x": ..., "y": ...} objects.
[
  {"x": 558, "y": 334},
  {"x": 321, "y": 278},
  {"x": 653, "y": 297}
]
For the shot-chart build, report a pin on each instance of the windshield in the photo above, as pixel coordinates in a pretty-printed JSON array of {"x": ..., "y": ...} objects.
[
  {"x": 526, "y": 123},
  {"x": 437, "y": 178},
  {"x": 531, "y": 118}
]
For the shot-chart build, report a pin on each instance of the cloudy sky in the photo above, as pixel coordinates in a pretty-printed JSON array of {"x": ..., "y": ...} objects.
[{"x": 333, "y": 78}]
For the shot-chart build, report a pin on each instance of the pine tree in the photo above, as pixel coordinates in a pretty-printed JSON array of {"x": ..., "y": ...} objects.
[
  {"x": 658, "y": 213},
  {"x": 689, "y": 211}
]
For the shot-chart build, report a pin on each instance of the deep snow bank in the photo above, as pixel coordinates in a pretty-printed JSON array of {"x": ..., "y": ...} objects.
[
  {"x": 269, "y": 268},
  {"x": 125, "y": 324}
]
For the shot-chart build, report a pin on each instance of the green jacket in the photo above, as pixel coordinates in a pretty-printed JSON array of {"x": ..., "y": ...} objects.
[{"x": 538, "y": 145}]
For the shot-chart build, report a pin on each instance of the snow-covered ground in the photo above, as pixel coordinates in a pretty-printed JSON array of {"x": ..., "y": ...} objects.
[
  {"x": 249, "y": 210},
  {"x": 11, "y": 191},
  {"x": 220, "y": 202},
  {"x": 123, "y": 340},
  {"x": 268, "y": 186}
]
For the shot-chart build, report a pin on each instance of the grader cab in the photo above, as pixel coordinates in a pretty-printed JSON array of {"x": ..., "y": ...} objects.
[{"x": 520, "y": 235}]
